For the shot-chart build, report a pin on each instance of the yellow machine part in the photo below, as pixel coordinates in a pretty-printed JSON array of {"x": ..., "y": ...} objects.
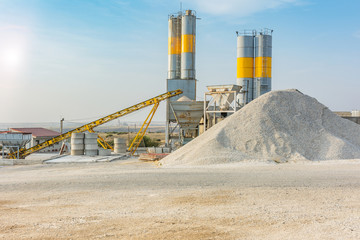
[
  {"x": 25, "y": 152},
  {"x": 102, "y": 141},
  {"x": 139, "y": 136}
]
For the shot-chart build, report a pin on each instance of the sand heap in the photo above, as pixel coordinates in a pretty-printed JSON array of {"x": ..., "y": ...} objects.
[{"x": 279, "y": 126}]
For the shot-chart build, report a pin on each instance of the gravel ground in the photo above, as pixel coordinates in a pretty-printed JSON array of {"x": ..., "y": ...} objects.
[{"x": 133, "y": 200}]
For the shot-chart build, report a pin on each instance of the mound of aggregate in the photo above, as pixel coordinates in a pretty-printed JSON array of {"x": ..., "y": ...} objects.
[{"x": 279, "y": 126}]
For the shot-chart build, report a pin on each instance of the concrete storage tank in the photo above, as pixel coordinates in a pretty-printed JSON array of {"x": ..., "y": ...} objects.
[
  {"x": 119, "y": 145},
  {"x": 263, "y": 59},
  {"x": 174, "y": 51},
  {"x": 104, "y": 152},
  {"x": 245, "y": 65},
  {"x": 91, "y": 146},
  {"x": 77, "y": 144},
  {"x": 188, "y": 31}
]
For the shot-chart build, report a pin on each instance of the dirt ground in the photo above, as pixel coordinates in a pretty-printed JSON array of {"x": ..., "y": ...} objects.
[{"x": 132, "y": 200}]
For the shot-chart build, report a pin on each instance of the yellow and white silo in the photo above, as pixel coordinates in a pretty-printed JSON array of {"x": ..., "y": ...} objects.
[
  {"x": 181, "y": 75},
  {"x": 174, "y": 45},
  {"x": 188, "y": 31},
  {"x": 245, "y": 66},
  {"x": 181, "y": 54},
  {"x": 263, "y": 62}
]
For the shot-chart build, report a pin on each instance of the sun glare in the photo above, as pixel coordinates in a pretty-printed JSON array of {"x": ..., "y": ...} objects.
[
  {"x": 13, "y": 48},
  {"x": 12, "y": 57}
]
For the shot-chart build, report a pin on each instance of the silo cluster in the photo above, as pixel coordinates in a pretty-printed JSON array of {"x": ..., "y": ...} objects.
[
  {"x": 181, "y": 60},
  {"x": 254, "y": 52},
  {"x": 182, "y": 75}
]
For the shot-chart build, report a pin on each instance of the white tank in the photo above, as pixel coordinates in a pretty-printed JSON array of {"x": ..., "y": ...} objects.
[
  {"x": 90, "y": 143},
  {"x": 119, "y": 145},
  {"x": 77, "y": 144}
]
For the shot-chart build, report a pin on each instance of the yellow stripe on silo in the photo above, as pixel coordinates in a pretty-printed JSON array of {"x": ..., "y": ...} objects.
[
  {"x": 187, "y": 43},
  {"x": 263, "y": 67},
  {"x": 245, "y": 67},
  {"x": 174, "y": 45}
]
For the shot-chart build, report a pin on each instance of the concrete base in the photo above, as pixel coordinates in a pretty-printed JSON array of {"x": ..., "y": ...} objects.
[
  {"x": 91, "y": 152},
  {"x": 158, "y": 150},
  {"x": 87, "y": 159},
  {"x": 7, "y": 162},
  {"x": 120, "y": 150},
  {"x": 104, "y": 152}
]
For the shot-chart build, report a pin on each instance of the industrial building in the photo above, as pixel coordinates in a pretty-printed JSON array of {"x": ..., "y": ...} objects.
[
  {"x": 39, "y": 135},
  {"x": 19, "y": 138}
]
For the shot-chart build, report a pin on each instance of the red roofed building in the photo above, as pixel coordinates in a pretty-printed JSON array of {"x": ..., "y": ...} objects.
[{"x": 40, "y": 135}]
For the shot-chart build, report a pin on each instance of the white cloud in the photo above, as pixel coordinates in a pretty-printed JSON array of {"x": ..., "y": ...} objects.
[{"x": 240, "y": 7}]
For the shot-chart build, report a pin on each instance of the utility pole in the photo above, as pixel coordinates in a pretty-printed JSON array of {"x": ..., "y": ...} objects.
[
  {"x": 61, "y": 125},
  {"x": 129, "y": 135},
  {"x": 63, "y": 146}
]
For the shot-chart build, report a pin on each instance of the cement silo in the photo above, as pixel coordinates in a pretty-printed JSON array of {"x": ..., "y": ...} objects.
[
  {"x": 181, "y": 56},
  {"x": 254, "y": 53},
  {"x": 245, "y": 65},
  {"x": 188, "y": 31},
  {"x": 263, "y": 58},
  {"x": 174, "y": 59}
]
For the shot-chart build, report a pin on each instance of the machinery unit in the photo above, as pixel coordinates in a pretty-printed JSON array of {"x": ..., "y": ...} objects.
[
  {"x": 219, "y": 103},
  {"x": 254, "y": 57},
  {"x": 187, "y": 114},
  {"x": 182, "y": 75},
  {"x": 14, "y": 142}
]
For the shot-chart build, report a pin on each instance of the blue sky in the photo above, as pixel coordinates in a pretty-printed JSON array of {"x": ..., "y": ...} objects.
[{"x": 84, "y": 59}]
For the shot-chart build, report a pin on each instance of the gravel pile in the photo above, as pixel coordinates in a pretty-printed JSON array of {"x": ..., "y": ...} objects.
[{"x": 279, "y": 126}]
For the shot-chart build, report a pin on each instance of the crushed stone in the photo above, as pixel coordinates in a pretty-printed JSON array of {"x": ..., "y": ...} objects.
[{"x": 280, "y": 126}]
